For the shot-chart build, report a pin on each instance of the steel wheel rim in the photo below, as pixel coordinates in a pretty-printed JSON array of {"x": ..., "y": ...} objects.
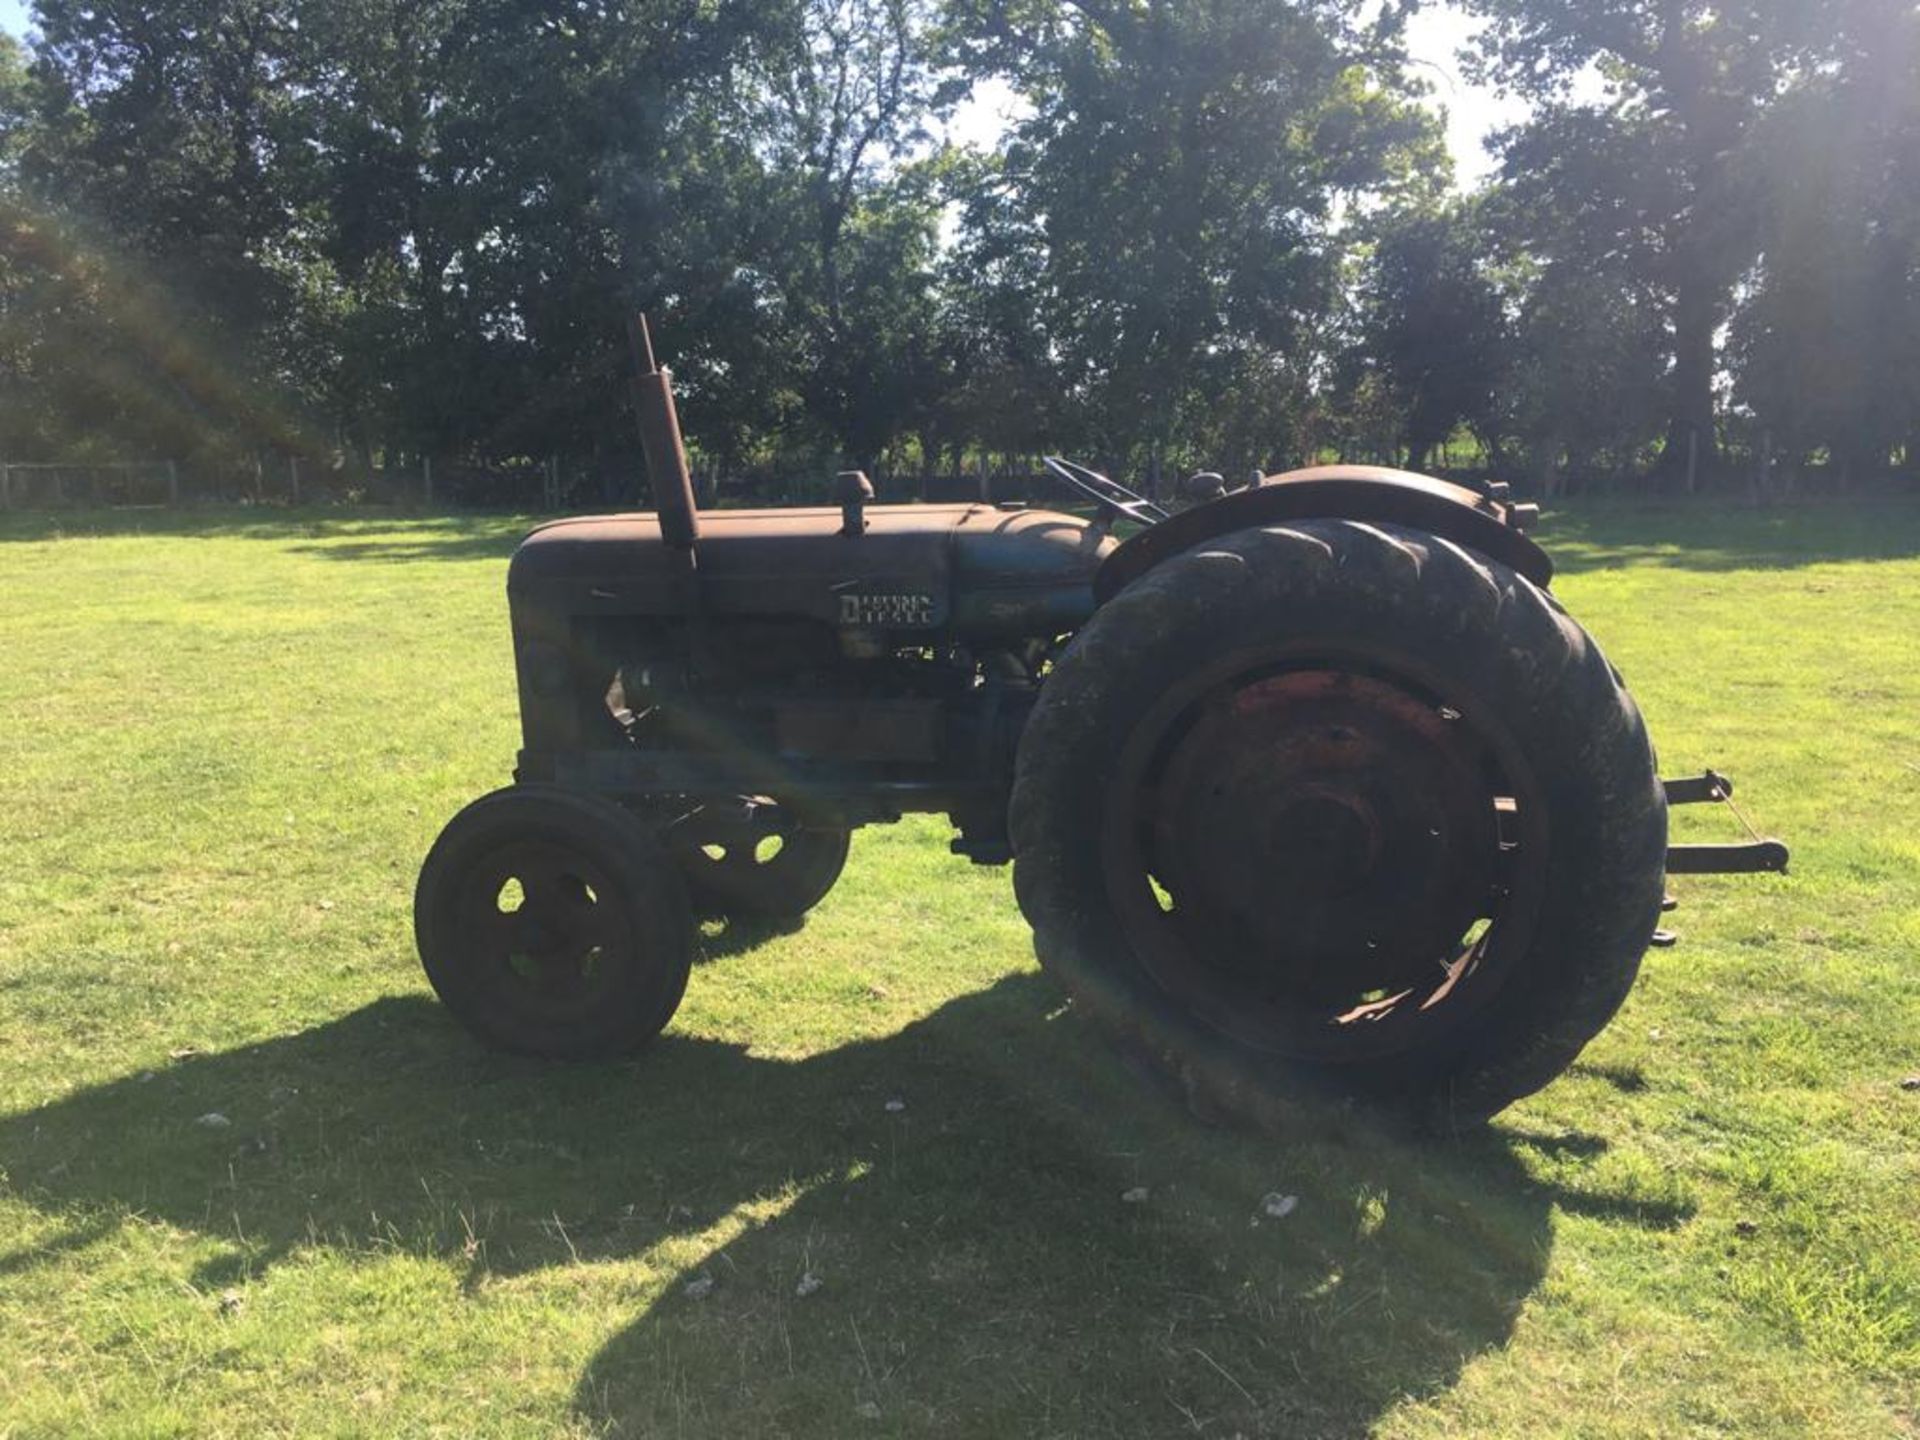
[
  {"x": 560, "y": 950},
  {"x": 740, "y": 862},
  {"x": 1344, "y": 1003}
]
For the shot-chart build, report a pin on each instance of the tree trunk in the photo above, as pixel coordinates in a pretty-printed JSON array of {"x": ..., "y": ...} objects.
[
  {"x": 929, "y": 458},
  {"x": 1692, "y": 422}
]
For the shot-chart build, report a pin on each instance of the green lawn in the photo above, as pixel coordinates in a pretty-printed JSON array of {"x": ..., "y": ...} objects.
[{"x": 226, "y": 742}]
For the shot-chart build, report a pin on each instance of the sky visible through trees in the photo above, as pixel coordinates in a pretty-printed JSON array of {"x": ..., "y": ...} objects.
[
  {"x": 1435, "y": 37},
  {"x": 919, "y": 234}
]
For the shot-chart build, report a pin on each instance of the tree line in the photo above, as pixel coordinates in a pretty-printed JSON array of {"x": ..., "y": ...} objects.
[{"x": 1212, "y": 233}]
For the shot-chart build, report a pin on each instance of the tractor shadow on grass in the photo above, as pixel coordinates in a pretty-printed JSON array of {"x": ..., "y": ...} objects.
[{"x": 979, "y": 1268}]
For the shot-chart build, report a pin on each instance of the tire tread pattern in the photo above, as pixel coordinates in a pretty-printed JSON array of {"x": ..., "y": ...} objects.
[{"x": 1516, "y": 646}]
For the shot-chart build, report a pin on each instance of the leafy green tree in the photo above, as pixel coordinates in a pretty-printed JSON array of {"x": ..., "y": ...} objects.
[
  {"x": 22, "y": 422},
  {"x": 1431, "y": 323},
  {"x": 161, "y": 166},
  {"x": 841, "y": 100},
  {"x": 1004, "y": 392},
  {"x": 15, "y": 101},
  {"x": 1586, "y": 311},
  {"x": 1183, "y": 169},
  {"x": 1664, "y": 168},
  {"x": 503, "y": 182},
  {"x": 1827, "y": 342},
  {"x": 1217, "y": 234},
  {"x": 1584, "y": 393}
]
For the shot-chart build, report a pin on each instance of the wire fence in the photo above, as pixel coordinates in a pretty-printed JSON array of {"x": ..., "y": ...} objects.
[
  {"x": 289, "y": 481},
  {"x": 560, "y": 484},
  {"x": 554, "y": 485},
  {"x": 39, "y": 486}
]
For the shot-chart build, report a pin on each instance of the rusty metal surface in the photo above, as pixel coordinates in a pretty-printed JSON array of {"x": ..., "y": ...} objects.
[
  {"x": 634, "y": 527},
  {"x": 750, "y": 562},
  {"x": 1706, "y": 789},
  {"x": 1322, "y": 847},
  {"x": 1026, "y": 571},
  {"x": 545, "y": 948},
  {"x": 1757, "y": 855},
  {"x": 1325, "y": 859},
  {"x": 666, "y": 454},
  {"x": 1322, "y": 826},
  {"x": 1019, "y": 573},
  {"x": 1347, "y": 492},
  {"x": 1746, "y": 857}
]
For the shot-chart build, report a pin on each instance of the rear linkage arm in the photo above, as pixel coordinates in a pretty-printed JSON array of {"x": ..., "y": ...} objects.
[
  {"x": 1756, "y": 856},
  {"x": 1752, "y": 857}
]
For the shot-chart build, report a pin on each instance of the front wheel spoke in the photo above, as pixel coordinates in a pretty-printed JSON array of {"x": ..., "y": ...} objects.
[
  {"x": 735, "y": 860},
  {"x": 496, "y": 926},
  {"x": 561, "y": 900},
  {"x": 601, "y": 925},
  {"x": 545, "y": 894},
  {"x": 740, "y": 860}
]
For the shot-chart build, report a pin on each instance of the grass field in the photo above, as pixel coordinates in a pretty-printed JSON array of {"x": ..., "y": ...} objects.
[{"x": 226, "y": 741}]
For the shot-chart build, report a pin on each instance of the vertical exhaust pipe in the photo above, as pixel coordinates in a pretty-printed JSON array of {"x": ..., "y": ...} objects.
[{"x": 667, "y": 473}]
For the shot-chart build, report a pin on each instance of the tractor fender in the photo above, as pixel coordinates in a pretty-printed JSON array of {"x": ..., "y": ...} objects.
[{"x": 1338, "y": 492}]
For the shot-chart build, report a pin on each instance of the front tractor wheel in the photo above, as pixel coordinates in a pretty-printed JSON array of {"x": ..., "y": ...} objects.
[
  {"x": 1335, "y": 809},
  {"x": 553, "y": 923}
]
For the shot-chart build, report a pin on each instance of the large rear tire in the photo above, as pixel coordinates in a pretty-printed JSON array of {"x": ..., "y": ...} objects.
[
  {"x": 553, "y": 923},
  {"x": 1337, "y": 809}
]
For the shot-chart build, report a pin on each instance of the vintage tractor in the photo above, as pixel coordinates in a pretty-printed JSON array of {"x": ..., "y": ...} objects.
[{"x": 1311, "y": 789}]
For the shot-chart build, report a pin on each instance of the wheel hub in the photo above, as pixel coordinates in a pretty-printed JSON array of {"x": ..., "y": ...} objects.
[
  {"x": 1324, "y": 835},
  {"x": 1324, "y": 842},
  {"x": 538, "y": 912}
]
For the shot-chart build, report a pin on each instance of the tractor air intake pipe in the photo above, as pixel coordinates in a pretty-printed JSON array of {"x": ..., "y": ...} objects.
[{"x": 660, "y": 438}]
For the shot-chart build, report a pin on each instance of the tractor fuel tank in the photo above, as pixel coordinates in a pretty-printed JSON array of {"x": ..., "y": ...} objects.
[
  {"x": 1020, "y": 572},
  {"x": 974, "y": 571}
]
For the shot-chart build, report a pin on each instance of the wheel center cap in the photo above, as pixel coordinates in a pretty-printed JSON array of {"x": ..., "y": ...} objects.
[
  {"x": 1323, "y": 842},
  {"x": 1324, "y": 832}
]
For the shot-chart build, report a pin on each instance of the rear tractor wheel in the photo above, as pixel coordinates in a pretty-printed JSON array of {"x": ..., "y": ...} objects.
[
  {"x": 1335, "y": 809},
  {"x": 553, "y": 923}
]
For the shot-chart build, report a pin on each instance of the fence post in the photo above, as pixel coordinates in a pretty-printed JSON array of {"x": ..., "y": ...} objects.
[
  {"x": 293, "y": 476},
  {"x": 173, "y": 482},
  {"x": 426, "y": 470},
  {"x": 6, "y": 487}
]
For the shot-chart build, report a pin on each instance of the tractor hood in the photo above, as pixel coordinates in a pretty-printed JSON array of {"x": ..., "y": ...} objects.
[{"x": 972, "y": 569}]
